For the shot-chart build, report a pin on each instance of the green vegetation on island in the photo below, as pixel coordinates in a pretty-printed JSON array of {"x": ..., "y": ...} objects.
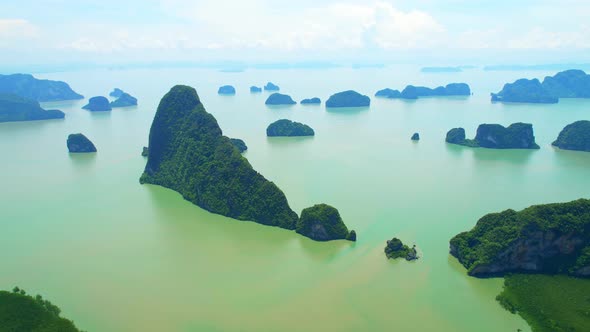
[
  {"x": 98, "y": 104},
  {"x": 286, "y": 127},
  {"x": 524, "y": 91},
  {"x": 322, "y": 222},
  {"x": 22, "y": 312},
  {"x": 78, "y": 143},
  {"x": 239, "y": 144},
  {"x": 189, "y": 154},
  {"x": 575, "y": 136},
  {"x": 494, "y": 136},
  {"x": 396, "y": 249},
  {"x": 28, "y": 87},
  {"x": 16, "y": 108},
  {"x": 414, "y": 92},
  {"x": 548, "y": 303},
  {"x": 348, "y": 98},
  {"x": 279, "y": 99},
  {"x": 571, "y": 83},
  {"x": 124, "y": 100},
  {"x": 549, "y": 238}
]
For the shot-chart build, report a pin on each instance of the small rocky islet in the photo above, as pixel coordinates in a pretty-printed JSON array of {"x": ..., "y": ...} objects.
[
  {"x": 98, "y": 104},
  {"x": 116, "y": 93},
  {"x": 322, "y": 222},
  {"x": 271, "y": 87},
  {"x": 311, "y": 101},
  {"x": 285, "y": 127},
  {"x": 255, "y": 89},
  {"x": 395, "y": 248},
  {"x": 226, "y": 90},
  {"x": 494, "y": 136},
  {"x": 239, "y": 144},
  {"x": 78, "y": 143},
  {"x": 415, "y": 137},
  {"x": 278, "y": 99},
  {"x": 124, "y": 100},
  {"x": 349, "y": 98}
]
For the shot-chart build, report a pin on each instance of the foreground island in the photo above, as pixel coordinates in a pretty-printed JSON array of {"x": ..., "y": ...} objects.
[
  {"x": 575, "y": 136},
  {"x": 494, "y": 136},
  {"x": 16, "y": 108}
]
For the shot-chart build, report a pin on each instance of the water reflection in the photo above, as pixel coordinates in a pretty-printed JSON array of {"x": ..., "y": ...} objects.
[
  {"x": 510, "y": 156},
  {"x": 82, "y": 160},
  {"x": 455, "y": 150},
  {"x": 346, "y": 110}
]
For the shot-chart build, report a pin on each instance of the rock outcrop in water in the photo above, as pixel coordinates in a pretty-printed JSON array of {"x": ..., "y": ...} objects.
[
  {"x": 116, "y": 93},
  {"x": 550, "y": 238},
  {"x": 575, "y": 136},
  {"x": 98, "y": 104},
  {"x": 396, "y": 249},
  {"x": 415, "y": 137},
  {"x": 227, "y": 90},
  {"x": 16, "y": 108},
  {"x": 255, "y": 89},
  {"x": 28, "y": 87},
  {"x": 524, "y": 91},
  {"x": 571, "y": 83},
  {"x": 279, "y": 99},
  {"x": 125, "y": 100},
  {"x": 348, "y": 98},
  {"x": 494, "y": 136},
  {"x": 314, "y": 100},
  {"x": 271, "y": 87},
  {"x": 286, "y": 127},
  {"x": 145, "y": 152},
  {"x": 189, "y": 154},
  {"x": 239, "y": 144},
  {"x": 322, "y": 222},
  {"x": 78, "y": 143}
]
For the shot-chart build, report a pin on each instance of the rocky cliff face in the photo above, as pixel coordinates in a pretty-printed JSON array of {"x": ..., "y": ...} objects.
[{"x": 516, "y": 136}]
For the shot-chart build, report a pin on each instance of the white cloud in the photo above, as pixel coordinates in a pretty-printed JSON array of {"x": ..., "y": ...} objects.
[{"x": 17, "y": 29}]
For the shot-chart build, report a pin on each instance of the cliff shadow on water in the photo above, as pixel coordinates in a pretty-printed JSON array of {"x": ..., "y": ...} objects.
[{"x": 507, "y": 156}]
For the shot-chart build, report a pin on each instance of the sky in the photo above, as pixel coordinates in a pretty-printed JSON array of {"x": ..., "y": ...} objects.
[{"x": 432, "y": 32}]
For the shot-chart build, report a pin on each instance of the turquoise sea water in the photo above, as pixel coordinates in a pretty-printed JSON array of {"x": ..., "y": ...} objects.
[{"x": 119, "y": 256}]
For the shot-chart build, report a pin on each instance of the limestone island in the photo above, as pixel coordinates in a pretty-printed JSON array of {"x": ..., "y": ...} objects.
[
  {"x": 125, "y": 100},
  {"x": 239, "y": 144},
  {"x": 227, "y": 90},
  {"x": 550, "y": 238},
  {"x": 396, "y": 249},
  {"x": 322, "y": 222},
  {"x": 571, "y": 83},
  {"x": 310, "y": 101},
  {"x": 388, "y": 93},
  {"x": 28, "y": 87},
  {"x": 16, "y": 108},
  {"x": 286, "y": 127},
  {"x": 78, "y": 143},
  {"x": 116, "y": 93},
  {"x": 271, "y": 87},
  {"x": 524, "y": 91},
  {"x": 494, "y": 136},
  {"x": 145, "y": 152},
  {"x": 415, "y": 92},
  {"x": 575, "y": 136},
  {"x": 279, "y": 99},
  {"x": 255, "y": 89},
  {"x": 98, "y": 104},
  {"x": 348, "y": 98},
  {"x": 22, "y": 312},
  {"x": 415, "y": 137}
]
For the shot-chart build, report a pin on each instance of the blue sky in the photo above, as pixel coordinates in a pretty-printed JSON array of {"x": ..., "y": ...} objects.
[{"x": 429, "y": 31}]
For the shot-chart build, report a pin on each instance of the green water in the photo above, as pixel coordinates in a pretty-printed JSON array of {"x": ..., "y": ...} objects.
[{"x": 119, "y": 256}]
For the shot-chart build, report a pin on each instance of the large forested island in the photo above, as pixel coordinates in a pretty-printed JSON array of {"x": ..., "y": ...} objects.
[
  {"x": 348, "y": 98},
  {"x": 21, "y": 312},
  {"x": 16, "y": 108},
  {"x": 414, "y": 92},
  {"x": 494, "y": 136},
  {"x": 566, "y": 84},
  {"x": 27, "y": 86},
  {"x": 575, "y": 136},
  {"x": 550, "y": 238}
]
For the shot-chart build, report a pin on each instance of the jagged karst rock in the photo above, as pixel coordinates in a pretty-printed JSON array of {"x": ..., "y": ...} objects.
[
  {"x": 415, "y": 137},
  {"x": 571, "y": 83},
  {"x": 227, "y": 90},
  {"x": 456, "y": 136},
  {"x": 145, "y": 152},
  {"x": 255, "y": 89},
  {"x": 314, "y": 100},
  {"x": 322, "y": 222},
  {"x": 78, "y": 143},
  {"x": 189, "y": 154},
  {"x": 98, "y": 104},
  {"x": 549, "y": 238},
  {"x": 494, "y": 136},
  {"x": 279, "y": 99},
  {"x": 348, "y": 98},
  {"x": 575, "y": 136},
  {"x": 116, "y": 93},
  {"x": 396, "y": 249},
  {"x": 28, "y": 87},
  {"x": 124, "y": 100},
  {"x": 524, "y": 91},
  {"x": 285, "y": 127},
  {"x": 388, "y": 93},
  {"x": 17, "y": 108},
  {"x": 271, "y": 87}
]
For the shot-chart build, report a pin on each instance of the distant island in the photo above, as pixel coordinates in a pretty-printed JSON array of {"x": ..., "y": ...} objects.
[
  {"x": 415, "y": 137},
  {"x": 28, "y": 87},
  {"x": 348, "y": 98},
  {"x": 309, "y": 101},
  {"x": 271, "y": 87},
  {"x": 124, "y": 100},
  {"x": 555, "y": 66},
  {"x": 116, "y": 93},
  {"x": 322, "y": 222},
  {"x": 255, "y": 89},
  {"x": 78, "y": 143},
  {"x": 415, "y": 92},
  {"x": 279, "y": 99},
  {"x": 494, "y": 136},
  {"x": 286, "y": 127},
  {"x": 98, "y": 104},
  {"x": 396, "y": 249},
  {"x": 575, "y": 136},
  {"x": 566, "y": 84},
  {"x": 16, "y": 108},
  {"x": 239, "y": 144},
  {"x": 549, "y": 238},
  {"x": 226, "y": 90},
  {"x": 441, "y": 69},
  {"x": 22, "y": 312}
]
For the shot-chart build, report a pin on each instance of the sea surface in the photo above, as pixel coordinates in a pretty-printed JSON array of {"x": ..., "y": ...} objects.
[{"x": 119, "y": 256}]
